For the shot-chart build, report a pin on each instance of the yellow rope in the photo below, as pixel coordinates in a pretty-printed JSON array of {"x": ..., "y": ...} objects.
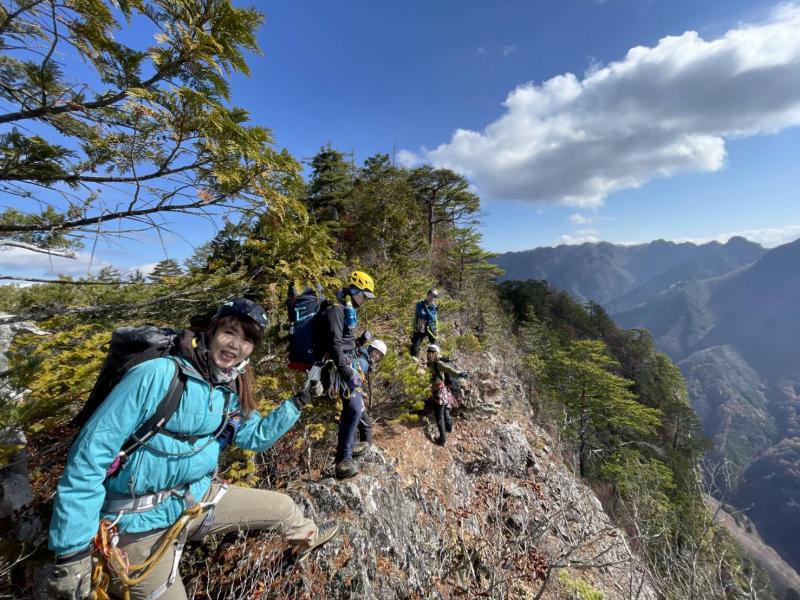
[{"x": 111, "y": 560}]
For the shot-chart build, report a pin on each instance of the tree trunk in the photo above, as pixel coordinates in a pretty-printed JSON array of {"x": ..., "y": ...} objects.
[{"x": 430, "y": 220}]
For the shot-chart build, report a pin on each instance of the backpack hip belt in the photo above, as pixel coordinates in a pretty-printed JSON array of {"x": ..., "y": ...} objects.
[{"x": 140, "y": 504}]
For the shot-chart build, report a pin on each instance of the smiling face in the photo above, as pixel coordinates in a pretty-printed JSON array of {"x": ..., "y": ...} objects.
[
  {"x": 229, "y": 346},
  {"x": 375, "y": 357}
]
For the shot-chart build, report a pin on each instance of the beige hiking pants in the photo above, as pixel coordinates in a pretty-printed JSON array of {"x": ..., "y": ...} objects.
[{"x": 239, "y": 509}]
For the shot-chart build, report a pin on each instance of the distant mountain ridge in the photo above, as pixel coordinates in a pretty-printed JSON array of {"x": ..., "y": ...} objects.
[
  {"x": 621, "y": 277},
  {"x": 729, "y": 315},
  {"x": 737, "y": 341}
]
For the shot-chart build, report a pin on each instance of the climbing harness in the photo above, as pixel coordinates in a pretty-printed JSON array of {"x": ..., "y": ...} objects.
[{"x": 111, "y": 560}]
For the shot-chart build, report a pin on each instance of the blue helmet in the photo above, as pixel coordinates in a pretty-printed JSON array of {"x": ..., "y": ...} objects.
[{"x": 245, "y": 308}]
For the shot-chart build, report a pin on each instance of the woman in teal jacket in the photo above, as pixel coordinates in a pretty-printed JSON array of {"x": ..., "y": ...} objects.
[{"x": 176, "y": 467}]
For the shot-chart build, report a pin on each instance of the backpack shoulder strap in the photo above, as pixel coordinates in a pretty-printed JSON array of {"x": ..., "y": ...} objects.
[{"x": 164, "y": 411}]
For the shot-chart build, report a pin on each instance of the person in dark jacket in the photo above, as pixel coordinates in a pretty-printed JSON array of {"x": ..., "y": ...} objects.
[
  {"x": 335, "y": 335},
  {"x": 426, "y": 321},
  {"x": 174, "y": 471},
  {"x": 441, "y": 396}
]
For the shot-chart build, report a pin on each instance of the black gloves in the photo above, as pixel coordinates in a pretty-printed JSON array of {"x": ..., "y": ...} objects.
[{"x": 301, "y": 398}]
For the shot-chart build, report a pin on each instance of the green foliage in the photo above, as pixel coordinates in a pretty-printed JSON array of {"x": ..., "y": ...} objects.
[
  {"x": 150, "y": 130},
  {"x": 384, "y": 222},
  {"x": 400, "y": 387},
  {"x": 468, "y": 342},
  {"x": 646, "y": 483},
  {"x": 444, "y": 198},
  {"x": 59, "y": 369},
  {"x": 579, "y": 588},
  {"x": 602, "y": 408},
  {"x": 331, "y": 184}
]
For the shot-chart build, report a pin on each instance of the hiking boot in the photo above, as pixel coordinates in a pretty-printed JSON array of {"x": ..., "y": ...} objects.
[
  {"x": 439, "y": 441},
  {"x": 325, "y": 532},
  {"x": 360, "y": 449},
  {"x": 346, "y": 469}
]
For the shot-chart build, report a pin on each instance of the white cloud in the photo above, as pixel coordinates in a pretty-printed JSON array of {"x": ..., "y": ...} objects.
[
  {"x": 19, "y": 262},
  {"x": 581, "y": 237},
  {"x": 508, "y": 50},
  {"x": 480, "y": 50},
  {"x": 658, "y": 112},
  {"x": 407, "y": 159},
  {"x": 768, "y": 237},
  {"x": 579, "y": 219}
]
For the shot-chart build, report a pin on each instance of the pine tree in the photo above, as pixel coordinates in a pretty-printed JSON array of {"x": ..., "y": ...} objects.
[
  {"x": 444, "y": 197},
  {"x": 602, "y": 408},
  {"x": 331, "y": 184},
  {"x": 165, "y": 271},
  {"x": 109, "y": 275},
  {"x": 385, "y": 223}
]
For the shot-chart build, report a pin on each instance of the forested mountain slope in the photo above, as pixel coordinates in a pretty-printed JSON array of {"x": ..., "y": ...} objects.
[
  {"x": 726, "y": 314},
  {"x": 735, "y": 338}
]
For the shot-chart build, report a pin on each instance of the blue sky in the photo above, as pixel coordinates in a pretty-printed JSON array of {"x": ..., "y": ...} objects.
[{"x": 693, "y": 138}]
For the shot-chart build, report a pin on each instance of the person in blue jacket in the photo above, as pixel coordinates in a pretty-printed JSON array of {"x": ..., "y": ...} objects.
[
  {"x": 176, "y": 468},
  {"x": 426, "y": 321}
]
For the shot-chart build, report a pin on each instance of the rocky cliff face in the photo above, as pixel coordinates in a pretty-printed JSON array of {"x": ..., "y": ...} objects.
[
  {"x": 496, "y": 513},
  {"x": 16, "y": 495}
]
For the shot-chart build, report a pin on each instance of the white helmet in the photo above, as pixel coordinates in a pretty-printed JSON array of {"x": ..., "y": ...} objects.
[
  {"x": 377, "y": 345},
  {"x": 434, "y": 348}
]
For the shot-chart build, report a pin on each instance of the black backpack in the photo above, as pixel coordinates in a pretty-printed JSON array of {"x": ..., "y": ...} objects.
[
  {"x": 302, "y": 309},
  {"x": 129, "y": 347}
]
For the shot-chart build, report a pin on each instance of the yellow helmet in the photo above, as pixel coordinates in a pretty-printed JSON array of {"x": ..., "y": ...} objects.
[{"x": 363, "y": 282}]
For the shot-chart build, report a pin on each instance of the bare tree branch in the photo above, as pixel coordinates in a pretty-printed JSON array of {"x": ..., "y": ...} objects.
[
  {"x": 34, "y": 248},
  {"x": 46, "y": 313},
  {"x": 67, "y": 282}
]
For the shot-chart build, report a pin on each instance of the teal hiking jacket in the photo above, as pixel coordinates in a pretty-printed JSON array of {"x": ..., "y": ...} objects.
[{"x": 83, "y": 486}]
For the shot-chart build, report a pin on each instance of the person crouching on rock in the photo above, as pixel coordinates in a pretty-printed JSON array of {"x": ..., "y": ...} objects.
[
  {"x": 368, "y": 357},
  {"x": 441, "y": 397},
  {"x": 169, "y": 481}
]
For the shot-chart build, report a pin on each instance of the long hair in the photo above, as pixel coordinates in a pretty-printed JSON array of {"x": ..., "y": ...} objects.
[{"x": 245, "y": 382}]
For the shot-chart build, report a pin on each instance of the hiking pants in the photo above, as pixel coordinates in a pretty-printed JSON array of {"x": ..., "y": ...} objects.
[
  {"x": 240, "y": 509},
  {"x": 442, "y": 416},
  {"x": 417, "y": 338},
  {"x": 365, "y": 427},
  {"x": 352, "y": 408}
]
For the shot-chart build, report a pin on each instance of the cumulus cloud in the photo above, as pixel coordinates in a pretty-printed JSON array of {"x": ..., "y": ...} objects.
[
  {"x": 408, "y": 159},
  {"x": 660, "y": 111},
  {"x": 508, "y": 50},
  {"x": 580, "y": 237}
]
